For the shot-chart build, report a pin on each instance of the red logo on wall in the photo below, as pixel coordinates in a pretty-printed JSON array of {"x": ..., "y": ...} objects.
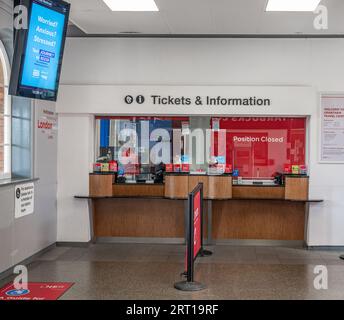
[{"x": 44, "y": 125}]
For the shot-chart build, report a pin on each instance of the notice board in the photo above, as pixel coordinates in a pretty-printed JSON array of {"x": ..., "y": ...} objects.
[{"x": 332, "y": 129}]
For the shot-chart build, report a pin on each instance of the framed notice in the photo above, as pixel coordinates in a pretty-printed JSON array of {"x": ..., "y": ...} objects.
[
  {"x": 24, "y": 195},
  {"x": 332, "y": 129}
]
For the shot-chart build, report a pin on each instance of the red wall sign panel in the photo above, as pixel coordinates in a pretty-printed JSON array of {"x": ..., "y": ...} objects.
[{"x": 260, "y": 147}]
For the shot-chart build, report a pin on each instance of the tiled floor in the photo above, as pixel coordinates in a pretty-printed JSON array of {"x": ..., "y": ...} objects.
[{"x": 128, "y": 271}]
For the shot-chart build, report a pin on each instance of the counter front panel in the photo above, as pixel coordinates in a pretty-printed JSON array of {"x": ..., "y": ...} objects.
[
  {"x": 139, "y": 218},
  {"x": 258, "y": 220},
  {"x": 176, "y": 186},
  {"x": 138, "y": 190},
  {"x": 253, "y": 192},
  {"x": 138, "y": 210}
]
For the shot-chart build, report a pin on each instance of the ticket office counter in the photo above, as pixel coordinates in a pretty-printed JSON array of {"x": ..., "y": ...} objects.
[
  {"x": 256, "y": 147},
  {"x": 136, "y": 212}
]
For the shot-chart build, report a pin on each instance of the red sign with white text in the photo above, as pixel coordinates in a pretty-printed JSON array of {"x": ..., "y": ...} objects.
[
  {"x": 261, "y": 146},
  {"x": 35, "y": 291},
  {"x": 197, "y": 223}
]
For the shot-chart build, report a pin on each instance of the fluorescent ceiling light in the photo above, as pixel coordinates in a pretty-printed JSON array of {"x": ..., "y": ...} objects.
[
  {"x": 292, "y": 5},
  {"x": 132, "y": 5}
]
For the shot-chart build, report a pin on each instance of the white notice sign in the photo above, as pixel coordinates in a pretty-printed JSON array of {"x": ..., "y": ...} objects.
[
  {"x": 332, "y": 128},
  {"x": 24, "y": 199}
]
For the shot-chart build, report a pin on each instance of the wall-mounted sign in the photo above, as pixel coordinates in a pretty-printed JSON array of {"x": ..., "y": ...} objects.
[
  {"x": 24, "y": 195},
  {"x": 332, "y": 129},
  {"x": 47, "y": 123},
  {"x": 187, "y": 100},
  {"x": 38, "y": 50},
  {"x": 169, "y": 100}
]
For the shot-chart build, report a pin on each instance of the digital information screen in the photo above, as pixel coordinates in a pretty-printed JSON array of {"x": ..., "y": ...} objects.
[
  {"x": 43, "y": 48},
  {"x": 39, "y": 50}
]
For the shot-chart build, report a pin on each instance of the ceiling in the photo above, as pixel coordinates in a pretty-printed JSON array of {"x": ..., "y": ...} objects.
[{"x": 203, "y": 17}]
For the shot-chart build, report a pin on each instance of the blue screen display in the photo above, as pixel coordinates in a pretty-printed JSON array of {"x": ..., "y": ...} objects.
[{"x": 43, "y": 48}]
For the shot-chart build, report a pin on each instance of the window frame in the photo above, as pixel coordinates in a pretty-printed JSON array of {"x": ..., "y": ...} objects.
[{"x": 7, "y": 174}]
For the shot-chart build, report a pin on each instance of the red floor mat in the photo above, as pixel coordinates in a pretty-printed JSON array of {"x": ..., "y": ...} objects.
[{"x": 36, "y": 291}]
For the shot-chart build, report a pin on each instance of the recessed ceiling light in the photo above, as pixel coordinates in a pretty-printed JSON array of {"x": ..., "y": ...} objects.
[
  {"x": 132, "y": 5},
  {"x": 292, "y": 5}
]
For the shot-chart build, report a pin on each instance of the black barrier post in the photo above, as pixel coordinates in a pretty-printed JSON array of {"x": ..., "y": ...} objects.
[
  {"x": 190, "y": 284},
  {"x": 342, "y": 257}
]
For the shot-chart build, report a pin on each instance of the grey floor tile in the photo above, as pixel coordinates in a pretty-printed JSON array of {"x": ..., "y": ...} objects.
[
  {"x": 53, "y": 254},
  {"x": 303, "y": 261}
]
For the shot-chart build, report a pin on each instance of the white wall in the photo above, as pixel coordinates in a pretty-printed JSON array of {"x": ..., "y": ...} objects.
[
  {"x": 23, "y": 237},
  {"x": 287, "y": 62},
  {"x": 75, "y": 145}
]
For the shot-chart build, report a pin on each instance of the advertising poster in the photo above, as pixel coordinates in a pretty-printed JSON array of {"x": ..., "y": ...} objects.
[
  {"x": 47, "y": 123},
  {"x": 43, "y": 49},
  {"x": 332, "y": 129}
]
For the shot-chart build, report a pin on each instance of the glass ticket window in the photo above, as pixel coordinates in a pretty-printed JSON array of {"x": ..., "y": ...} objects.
[
  {"x": 139, "y": 145},
  {"x": 257, "y": 148}
]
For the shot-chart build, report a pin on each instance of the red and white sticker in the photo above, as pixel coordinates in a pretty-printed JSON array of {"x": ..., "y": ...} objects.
[{"x": 35, "y": 291}]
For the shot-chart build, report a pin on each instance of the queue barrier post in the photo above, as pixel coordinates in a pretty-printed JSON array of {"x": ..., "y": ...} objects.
[
  {"x": 194, "y": 240},
  {"x": 203, "y": 252}
]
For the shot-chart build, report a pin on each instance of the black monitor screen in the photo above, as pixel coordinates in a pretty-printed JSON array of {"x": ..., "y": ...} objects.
[{"x": 39, "y": 50}]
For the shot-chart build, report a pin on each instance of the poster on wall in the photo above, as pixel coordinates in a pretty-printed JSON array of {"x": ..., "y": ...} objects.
[
  {"x": 332, "y": 129},
  {"x": 24, "y": 195},
  {"x": 47, "y": 123}
]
